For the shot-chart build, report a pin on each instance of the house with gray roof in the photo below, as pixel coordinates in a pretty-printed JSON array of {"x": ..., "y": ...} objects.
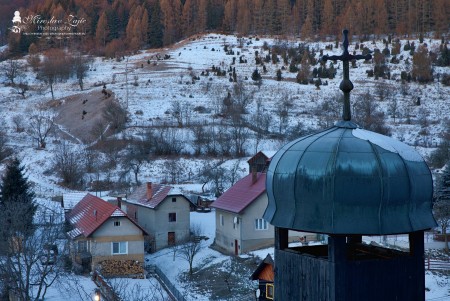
[{"x": 162, "y": 211}]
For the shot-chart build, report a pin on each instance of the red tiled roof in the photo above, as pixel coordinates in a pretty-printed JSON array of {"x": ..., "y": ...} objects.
[
  {"x": 90, "y": 213},
  {"x": 159, "y": 193},
  {"x": 241, "y": 194}
]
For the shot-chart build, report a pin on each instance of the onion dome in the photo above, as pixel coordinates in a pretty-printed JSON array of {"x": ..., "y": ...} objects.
[{"x": 346, "y": 180}]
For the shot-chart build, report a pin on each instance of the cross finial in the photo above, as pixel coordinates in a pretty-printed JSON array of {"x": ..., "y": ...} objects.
[{"x": 346, "y": 85}]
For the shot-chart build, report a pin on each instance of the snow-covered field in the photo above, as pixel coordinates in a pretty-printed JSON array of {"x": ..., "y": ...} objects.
[{"x": 154, "y": 85}]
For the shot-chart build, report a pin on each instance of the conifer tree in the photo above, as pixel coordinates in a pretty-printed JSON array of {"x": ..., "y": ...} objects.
[
  {"x": 16, "y": 195},
  {"x": 155, "y": 32}
]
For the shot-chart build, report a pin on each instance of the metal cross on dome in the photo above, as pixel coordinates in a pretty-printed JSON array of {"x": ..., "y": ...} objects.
[{"x": 346, "y": 85}]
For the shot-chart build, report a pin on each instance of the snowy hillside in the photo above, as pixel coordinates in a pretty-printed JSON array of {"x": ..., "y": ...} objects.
[{"x": 182, "y": 78}]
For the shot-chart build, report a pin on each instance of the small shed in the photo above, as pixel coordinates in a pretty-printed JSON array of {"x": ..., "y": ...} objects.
[{"x": 264, "y": 273}]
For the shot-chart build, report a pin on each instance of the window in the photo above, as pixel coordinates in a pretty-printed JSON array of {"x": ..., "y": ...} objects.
[
  {"x": 221, "y": 220},
  {"x": 82, "y": 246},
  {"x": 120, "y": 247},
  {"x": 174, "y": 200},
  {"x": 116, "y": 223},
  {"x": 172, "y": 217},
  {"x": 260, "y": 224},
  {"x": 269, "y": 291}
]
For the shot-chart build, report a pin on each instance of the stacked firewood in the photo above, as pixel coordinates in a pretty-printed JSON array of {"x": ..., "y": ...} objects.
[{"x": 131, "y": 268}]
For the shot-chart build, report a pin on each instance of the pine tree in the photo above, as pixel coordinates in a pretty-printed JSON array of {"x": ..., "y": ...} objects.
[
  {"x": 155, "y": 33},
  {"x": 16, "y": 195}
]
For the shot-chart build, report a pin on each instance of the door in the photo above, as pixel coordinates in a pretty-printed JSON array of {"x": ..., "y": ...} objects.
[
  {"x": 171, "y": 238},
  {"x": 236, "y": 247}
]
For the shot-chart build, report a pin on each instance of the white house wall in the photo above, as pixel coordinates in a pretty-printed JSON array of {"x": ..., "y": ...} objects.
[
  {"x": 156, "y": 221},
  {"x": 182, "y": 225}
]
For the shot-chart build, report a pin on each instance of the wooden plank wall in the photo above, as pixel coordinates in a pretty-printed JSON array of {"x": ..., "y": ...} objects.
[
  {"x": 304, "y": 277},
  {"x": 300, "y": 277}
]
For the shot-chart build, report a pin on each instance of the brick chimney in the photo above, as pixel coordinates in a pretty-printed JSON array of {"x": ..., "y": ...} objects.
[
  {"x": 119, "y": 202},
  {"x": 254, "y": 175},
  {"x": 149, "y": 190}
]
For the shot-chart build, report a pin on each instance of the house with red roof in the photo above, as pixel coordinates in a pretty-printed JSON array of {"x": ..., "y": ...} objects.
[
  {"x": 162, "y": 211},
  {"x": 240, "y": 226},
  {"x": 103, "y": 233}
]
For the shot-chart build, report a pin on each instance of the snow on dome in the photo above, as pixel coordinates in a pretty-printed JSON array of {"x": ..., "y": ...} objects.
[{"x": 405, "y": 151}]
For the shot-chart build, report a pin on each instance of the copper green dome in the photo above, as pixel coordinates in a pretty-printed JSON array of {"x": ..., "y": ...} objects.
[{"x": 346, "y": 180}]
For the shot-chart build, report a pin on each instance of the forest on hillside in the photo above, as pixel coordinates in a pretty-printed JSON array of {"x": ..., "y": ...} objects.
[{"x": 114, "y": 27}]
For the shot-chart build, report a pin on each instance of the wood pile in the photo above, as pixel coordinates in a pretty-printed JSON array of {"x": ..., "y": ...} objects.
[{"x": 129, "y": 268}]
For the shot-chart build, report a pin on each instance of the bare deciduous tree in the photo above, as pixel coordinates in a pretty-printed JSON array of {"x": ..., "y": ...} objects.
[
  {"x": 40, "y": 125},
  {"x": 115, "y": 115},
  {"x": 21, "y": 88},
  {"x": 68, "y": 163},
  {"x": 239, "y": 135},
  {"x": 12, "y": 69},
  {"x": 394, "y": 108},
  {"x": 136, "y": 292},
  {"x": 192, "y": 246},
  {"x": 173, "y": 168},
  {"x": 5, "y": 151},
  {"x": 81, "y": 67},
  {"x": 55, "y": 68},
  {"x": 30, "y": 263},
  {"x": 282, "y": 110},
  {"x": 136, "y": 156},
  {"x": 368, "y": 115}
]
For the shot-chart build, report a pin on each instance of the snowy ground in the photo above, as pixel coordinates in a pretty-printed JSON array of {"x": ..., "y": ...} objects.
[
  {"x": 153, "y": 87},
  {"x": 438, "y": 285}
]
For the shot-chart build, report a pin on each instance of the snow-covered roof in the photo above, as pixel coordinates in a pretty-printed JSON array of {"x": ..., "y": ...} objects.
[
  {"x": 70, "y": 199},
  {"x": 405, "y": 151},
  {"x": 90, "y": 213},
  {"x": 152, "y": 199}
]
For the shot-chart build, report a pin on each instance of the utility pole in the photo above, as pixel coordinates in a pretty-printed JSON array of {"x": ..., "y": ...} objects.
[{"x": 126, "y": 81}]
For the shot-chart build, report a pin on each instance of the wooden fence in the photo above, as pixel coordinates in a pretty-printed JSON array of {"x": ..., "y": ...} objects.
[
  {"x": 435, "y": 264},
  {"x": 106, "y": 290}
]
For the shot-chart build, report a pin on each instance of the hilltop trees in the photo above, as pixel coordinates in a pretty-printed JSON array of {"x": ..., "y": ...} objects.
[{"x": 162, "y": 22}]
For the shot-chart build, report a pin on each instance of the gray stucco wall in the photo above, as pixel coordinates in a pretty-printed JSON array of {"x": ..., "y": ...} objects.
[{"x": 156, "y": 221}]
